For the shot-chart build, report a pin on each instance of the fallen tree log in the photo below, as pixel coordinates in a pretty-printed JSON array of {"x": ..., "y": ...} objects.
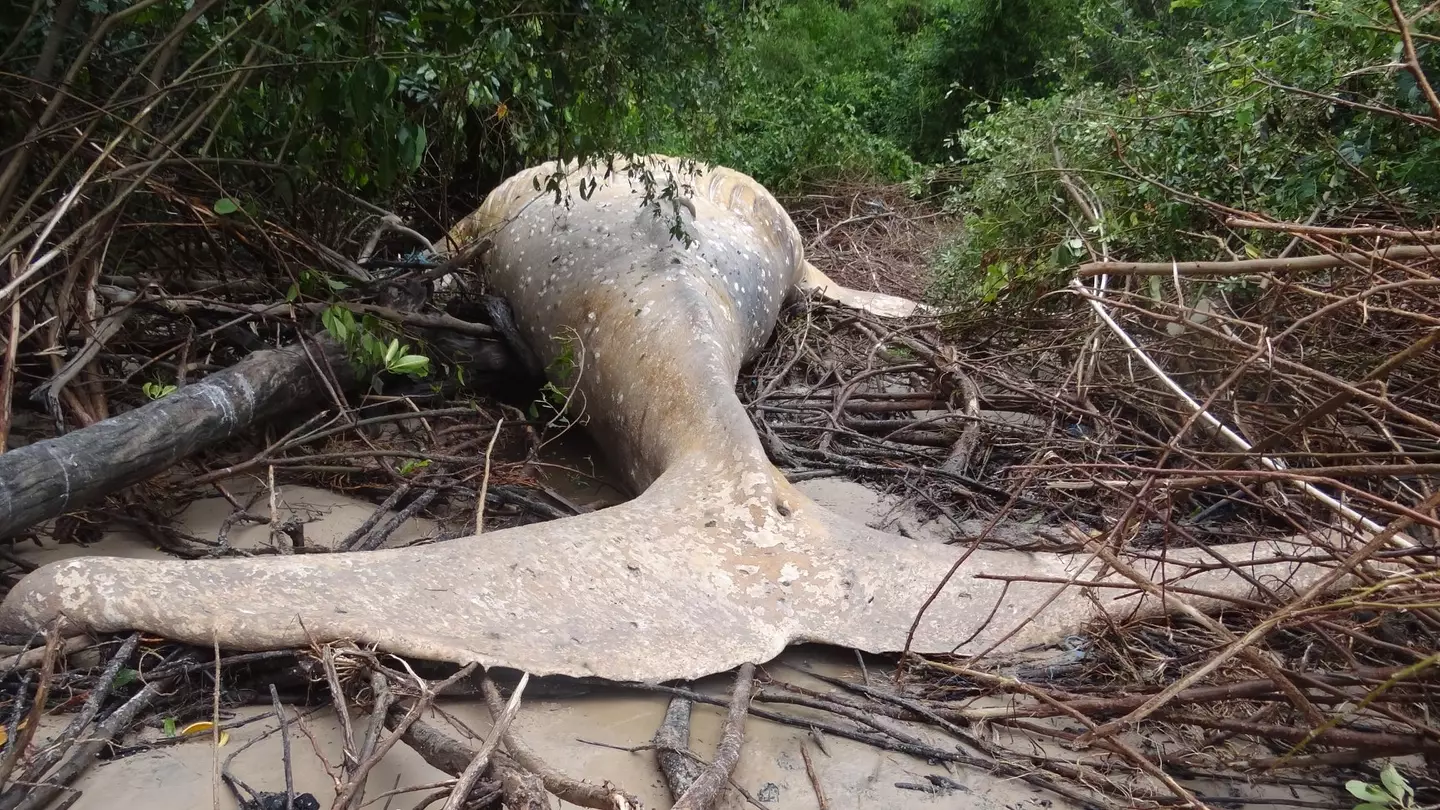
[{"x": 51, "y": 477}]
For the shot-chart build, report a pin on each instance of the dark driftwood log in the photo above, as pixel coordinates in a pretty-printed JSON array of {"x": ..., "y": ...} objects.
[
  {"x": 672, "y": 746},
  {"x": 49, "y": 478},
  {"x": 46, "y": 479}
]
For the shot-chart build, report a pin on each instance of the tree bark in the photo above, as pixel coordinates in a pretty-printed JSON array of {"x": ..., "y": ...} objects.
[{"x": 49, "y": 478}]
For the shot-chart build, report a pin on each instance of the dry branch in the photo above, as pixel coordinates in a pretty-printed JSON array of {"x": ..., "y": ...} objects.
[
  {"x": 1371, "y": 231},
  {"x": 706, "y": 789},
  {"x": 85, "y": 754},
  {"x": 468, "y": 777},
  {"x": 1397, "y": 253},
  {"x": 569, "y": 789}
]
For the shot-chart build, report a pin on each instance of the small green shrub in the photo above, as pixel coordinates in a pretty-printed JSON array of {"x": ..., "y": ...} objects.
[{"x": 369, "y": 96}]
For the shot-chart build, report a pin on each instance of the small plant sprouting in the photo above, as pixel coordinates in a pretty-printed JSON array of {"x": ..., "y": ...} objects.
[
  {"x": 556, "y": 393},
  {"x": 1393, "y": 792},
  {"x": 155, "y": 390}
]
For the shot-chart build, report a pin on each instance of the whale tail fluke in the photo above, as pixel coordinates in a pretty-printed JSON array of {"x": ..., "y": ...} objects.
[{"x": 709, "y": 568}]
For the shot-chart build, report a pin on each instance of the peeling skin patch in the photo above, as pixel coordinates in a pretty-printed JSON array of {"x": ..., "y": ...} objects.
[{"x": 701, "y": 571}]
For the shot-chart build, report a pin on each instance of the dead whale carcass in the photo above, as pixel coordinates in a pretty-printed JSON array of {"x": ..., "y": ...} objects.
[{"x": 718, "y": 561}]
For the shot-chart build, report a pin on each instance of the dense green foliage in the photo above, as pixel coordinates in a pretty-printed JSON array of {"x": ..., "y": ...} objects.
[
  {"x": 1150, "y": 104},
  {"x": 821, "y": 88},
  {"x": 367, "y": 95},
  {"x": 1248, "y": 112}
]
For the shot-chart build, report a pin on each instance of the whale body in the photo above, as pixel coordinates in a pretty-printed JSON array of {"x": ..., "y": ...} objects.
[{"x": 717, "y": 561}]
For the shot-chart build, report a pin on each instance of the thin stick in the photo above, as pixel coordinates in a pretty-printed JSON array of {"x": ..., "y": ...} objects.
[
  {"x": 1318, "y": 230},
  {"x": 702, "y": 794},
  {"x": 442, "y": 787},
  {"x": 383, "y": 700},
  {"x": 485, "y": 480},
  {"x": 214, "y": 727},
  {"x": 284, "y": 748},
  {"x": 1412, "y": 60},
  {"x": 814, "y": 778},
  {"x": 1252, "y": 266},
  {"x": 342, "y": 711},
  {"x": 466, "y": 782},
  {"x": 7, "y": 371},
  {"x": 285, "y": 547},
  {"x": 21, "y": 739}
]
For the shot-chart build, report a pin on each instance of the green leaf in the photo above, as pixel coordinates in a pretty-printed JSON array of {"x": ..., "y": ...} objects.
[
  {"x": 417, "y": 148},
  {"x": 170, "y": 726},
  {"x": 1367, "y": 792},
  {"x": 124, "y": 677},
  {"x": 157, "y": 390},
  {"x": 226, "y": 205},
  {"x": 1395, "y": 783},
  {"x": 372, "y": 348},
  {"x": 292, "y": 293},
  {"x": 335, "y": 323},
  {"x": 416, "y": 364}
]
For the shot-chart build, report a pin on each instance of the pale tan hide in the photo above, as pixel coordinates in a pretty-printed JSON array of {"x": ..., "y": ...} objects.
[{"x": 718, "y": 561}]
